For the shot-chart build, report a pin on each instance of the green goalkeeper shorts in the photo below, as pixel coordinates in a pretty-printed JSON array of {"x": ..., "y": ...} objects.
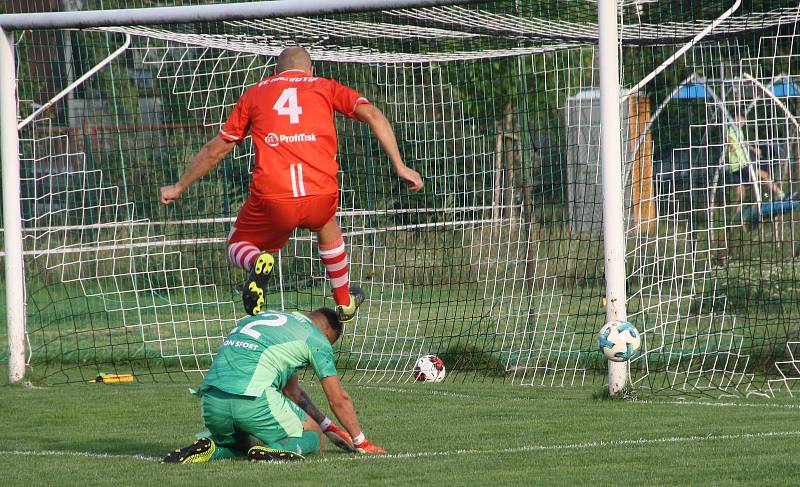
[{"x": 270, "y": 417}]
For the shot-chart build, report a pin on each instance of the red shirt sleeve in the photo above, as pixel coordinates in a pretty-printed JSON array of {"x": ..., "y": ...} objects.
[
  {"x": 238, "y": 124},
  {"x": 345, "y": 100}
]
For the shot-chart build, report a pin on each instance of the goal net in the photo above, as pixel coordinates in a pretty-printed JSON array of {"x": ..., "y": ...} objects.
[{"x": 497, "y": 266}]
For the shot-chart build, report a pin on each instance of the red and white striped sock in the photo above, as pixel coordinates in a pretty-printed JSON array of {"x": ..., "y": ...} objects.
[
  {"x": 337, "y": 266},
  {"x": 243, "y": 254}
]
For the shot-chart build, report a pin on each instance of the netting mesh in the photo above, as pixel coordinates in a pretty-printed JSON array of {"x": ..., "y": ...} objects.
[{"x": 498, "y": 266}]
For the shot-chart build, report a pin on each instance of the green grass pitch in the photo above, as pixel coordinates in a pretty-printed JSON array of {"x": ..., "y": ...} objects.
[{"x": 476, "y": 433}]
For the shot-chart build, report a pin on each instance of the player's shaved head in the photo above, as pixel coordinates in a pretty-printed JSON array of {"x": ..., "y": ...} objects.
[{"x": 294, "y": 58}]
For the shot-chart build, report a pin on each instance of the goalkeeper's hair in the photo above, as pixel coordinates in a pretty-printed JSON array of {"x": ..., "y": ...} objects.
[{"x": 332, "y": 317}]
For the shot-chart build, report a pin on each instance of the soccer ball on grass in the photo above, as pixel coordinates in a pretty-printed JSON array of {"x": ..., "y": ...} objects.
[
  {"x": 619, "y": 341},
  {"x": 429, "y": 368}
]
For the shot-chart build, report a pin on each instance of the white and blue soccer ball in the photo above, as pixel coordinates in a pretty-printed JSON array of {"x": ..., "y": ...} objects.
[
  {"x": 619, "y": 341},
  {"x": 429, "y": 368}
]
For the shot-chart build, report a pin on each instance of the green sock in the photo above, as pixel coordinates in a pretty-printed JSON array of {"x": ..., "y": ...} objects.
[
  {"x": 202, "y": 434},
  {"x": 308, "y": 444},
  {"x": 225, "y": 453},
  {"x": 222, "y": 452}
]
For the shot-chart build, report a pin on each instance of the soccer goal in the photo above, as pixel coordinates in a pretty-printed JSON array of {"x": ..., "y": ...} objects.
[{"x": 505, "y": 266}]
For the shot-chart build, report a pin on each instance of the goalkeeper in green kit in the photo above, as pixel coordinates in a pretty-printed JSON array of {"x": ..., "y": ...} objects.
[{"x": 252, "y": 403}]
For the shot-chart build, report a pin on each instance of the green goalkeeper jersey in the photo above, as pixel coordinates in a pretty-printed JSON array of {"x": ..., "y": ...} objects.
[{"x": 265, "y": 350}]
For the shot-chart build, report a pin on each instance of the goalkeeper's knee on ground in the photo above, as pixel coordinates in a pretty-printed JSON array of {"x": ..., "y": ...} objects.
[{"x": 307, "y": 444}]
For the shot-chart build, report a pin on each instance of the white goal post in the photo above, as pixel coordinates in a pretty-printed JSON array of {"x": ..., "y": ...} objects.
[
  {"x": 12, "y": 217},
  {"x": 612, "y": 170}
]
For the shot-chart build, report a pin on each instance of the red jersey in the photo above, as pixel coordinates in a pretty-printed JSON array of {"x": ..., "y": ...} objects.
[{"x": 290, "y": 116}]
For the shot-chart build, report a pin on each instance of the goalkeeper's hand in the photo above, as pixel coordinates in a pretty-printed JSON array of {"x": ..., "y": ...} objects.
[
  {"x": 368, "y": 448},
  {"x": 339, "y": 437}
]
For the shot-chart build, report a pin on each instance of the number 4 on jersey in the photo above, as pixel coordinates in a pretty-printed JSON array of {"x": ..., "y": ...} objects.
[{"x": 287, "y": 105}]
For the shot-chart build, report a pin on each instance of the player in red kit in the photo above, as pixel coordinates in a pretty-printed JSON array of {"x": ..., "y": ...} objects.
[{"x": 294, "y": 185}]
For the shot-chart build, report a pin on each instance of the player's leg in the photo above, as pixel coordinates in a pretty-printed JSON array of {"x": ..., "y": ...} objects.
[
  {"x": 332, "y": 251},
  {"x": 741, "y": 179},
  {"x": 221, "y": 438},
  {"x": 259, "y": 231},
  {"x": 286, "y": 431},
  {"x": 243, "y": 242},
  {"x": 334, "y": 257},
  {"x": 242, "y": 254},
  {"x": 259, "y": 266},
  {"x": 774, "y": 188},
  {"x": 254, "y": 290},
  {"x": 740, "y": 191},
  {"x": 286, "y": 448},
  {"x": 244, "y": 442},
  {"x": 199, "y": 451}
]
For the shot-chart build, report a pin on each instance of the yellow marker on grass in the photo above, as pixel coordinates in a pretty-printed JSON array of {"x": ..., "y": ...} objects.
[{"x": 112, "y": 378}]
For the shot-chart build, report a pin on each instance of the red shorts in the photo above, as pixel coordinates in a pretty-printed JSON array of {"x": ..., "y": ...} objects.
[{"x": 268, "y": 224}]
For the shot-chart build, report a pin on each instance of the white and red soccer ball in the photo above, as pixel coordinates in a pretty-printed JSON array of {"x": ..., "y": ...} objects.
[{"x": 429, "y": 368}]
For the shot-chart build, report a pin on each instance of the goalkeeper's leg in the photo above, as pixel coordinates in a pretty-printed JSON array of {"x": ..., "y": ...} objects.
[
  {"x": 288, "y": 449},
  {"x": 221, "y": 441},
  {"x": 199, "y": 451},
  {"x": 243, "y": 443},
  {"x": 283, "y": 427}
]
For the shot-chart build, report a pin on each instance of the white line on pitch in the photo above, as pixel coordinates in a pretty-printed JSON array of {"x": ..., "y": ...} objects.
[
  {"x": 84, "y": 454},
  {"x": 721, "y": 404},
  {"x": 435, "y": 392},
  {"x": 423, "y": 454},
  {"x": 570, "y": 446}
]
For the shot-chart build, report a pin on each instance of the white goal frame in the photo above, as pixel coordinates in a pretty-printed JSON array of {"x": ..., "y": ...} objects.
[{"x": 610, "y": 142}]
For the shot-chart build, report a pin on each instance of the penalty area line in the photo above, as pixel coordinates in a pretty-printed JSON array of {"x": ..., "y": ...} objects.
[{"x": 453, "y": 453}]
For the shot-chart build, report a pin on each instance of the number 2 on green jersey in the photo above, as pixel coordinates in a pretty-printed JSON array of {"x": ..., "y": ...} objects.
[{"x": 266, "y": 319}]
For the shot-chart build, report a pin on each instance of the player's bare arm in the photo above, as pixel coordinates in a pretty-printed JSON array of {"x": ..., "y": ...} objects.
[
  {"x": 209, "y": 156},
  {"x": 380, "y": 125},
  {"x": 342, "y": 406},
  {"x": 298, "y": 396}
]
